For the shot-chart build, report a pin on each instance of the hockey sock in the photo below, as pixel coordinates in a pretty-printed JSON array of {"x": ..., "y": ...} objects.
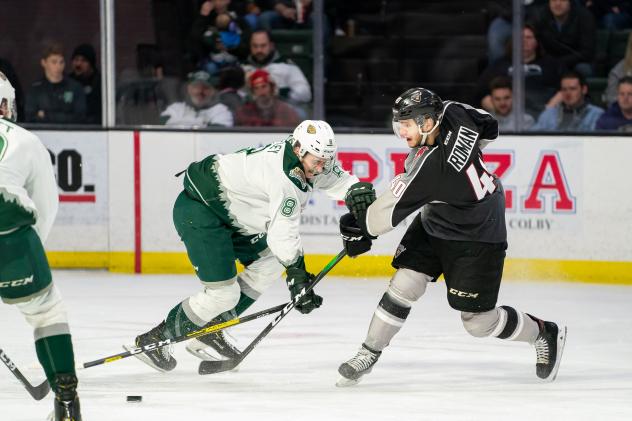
[
  {"x": 56, "y": 355},
  {"x": 515, "y": 325},
  {"x": 388, "y": 319},
  {"x": 178, "y": 323},
  {"x": 244, "y": 303}
]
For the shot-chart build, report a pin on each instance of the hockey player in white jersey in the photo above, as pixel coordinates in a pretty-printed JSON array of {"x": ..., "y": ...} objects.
[
  {"x": 28, "y": 205},
  {"x": 247, "y": 206}
]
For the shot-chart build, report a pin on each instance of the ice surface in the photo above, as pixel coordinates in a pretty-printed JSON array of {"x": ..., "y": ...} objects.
[{"x": 433, "y": 369}]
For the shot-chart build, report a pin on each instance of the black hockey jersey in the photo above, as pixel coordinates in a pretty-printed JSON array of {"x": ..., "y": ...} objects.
[{"x": 458, "y": 197}]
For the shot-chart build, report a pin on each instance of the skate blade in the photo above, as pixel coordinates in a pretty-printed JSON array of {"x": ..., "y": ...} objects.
[
  {"x": 345, "y": 382},
  {"x": 561, "y": 342},
  {"x": 203, "y": 352},
  {"x": 144, "y": 358}
]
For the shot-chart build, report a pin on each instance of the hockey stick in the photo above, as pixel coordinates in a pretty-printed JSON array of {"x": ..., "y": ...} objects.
[
  {"x": 38, "y": 392},
  {"x": 195, "y": 334},
  {"x": 211, "y": 367}
]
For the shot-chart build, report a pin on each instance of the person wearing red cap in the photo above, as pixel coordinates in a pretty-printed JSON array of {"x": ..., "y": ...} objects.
[{"x": 265, "y": 108}]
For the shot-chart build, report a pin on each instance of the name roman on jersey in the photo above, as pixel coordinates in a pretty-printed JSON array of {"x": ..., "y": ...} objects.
[{"x": 462, "y": 149}]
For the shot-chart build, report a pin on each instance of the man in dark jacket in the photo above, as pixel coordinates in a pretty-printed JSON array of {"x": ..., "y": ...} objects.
[
  {"x": 619, "y": 115},
  {"x": 55, "y": 98},
  {"x": 567, "y": 32},
  {"x": 84, "y": 71}
]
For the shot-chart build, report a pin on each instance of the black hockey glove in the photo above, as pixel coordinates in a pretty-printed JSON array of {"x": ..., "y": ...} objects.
[
  {"x": 353, "y": 240},
  {"x": 297, "y": 279},
  {"x": 359, "y": 197}
]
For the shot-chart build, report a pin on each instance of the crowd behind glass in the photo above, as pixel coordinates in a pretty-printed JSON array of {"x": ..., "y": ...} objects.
[{"x": 235, "y": 76}]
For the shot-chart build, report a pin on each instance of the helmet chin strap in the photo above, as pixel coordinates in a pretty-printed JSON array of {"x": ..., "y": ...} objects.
[{"x": 424, "y": 135}]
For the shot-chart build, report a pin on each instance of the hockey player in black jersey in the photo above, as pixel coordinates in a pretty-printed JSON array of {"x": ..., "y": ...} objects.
[{"x": 459, "y": 232}]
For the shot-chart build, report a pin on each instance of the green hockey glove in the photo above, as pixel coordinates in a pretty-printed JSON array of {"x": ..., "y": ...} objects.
[
  {"x": 297, "y": 279},
  {"x": 359, "y": 197}
]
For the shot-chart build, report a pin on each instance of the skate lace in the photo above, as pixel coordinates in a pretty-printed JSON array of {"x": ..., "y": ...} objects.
[
  {"x": 363, "y": 360},
  {"x": 542, "y": 350}
]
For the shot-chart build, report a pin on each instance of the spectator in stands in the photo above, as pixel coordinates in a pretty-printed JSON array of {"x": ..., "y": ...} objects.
[
  {"x": 287, "y": 14},
  {"x": 219, "y": 36},
  {"x": 201, "y": 108},
  {"x": 7, "y": 68},
  {"x": 567, "y": 31},
  {"x": 542, "y": 75},
  {"x": 612, "y": 15},
  {"x": 499, "y": 30},
  {"x": 502, "y": 105},
  {"x": 265, "y": 108},
  {"x": 621, "y": 69},
  {"x": 55, "y": 98},
  {"x": 84, "y": 71},
  {"x": 288, "y": 77},
  {"x": 619, "y": 115},
  {"x": 231, "y": 81},
  {"x": 573, "y": 114}
]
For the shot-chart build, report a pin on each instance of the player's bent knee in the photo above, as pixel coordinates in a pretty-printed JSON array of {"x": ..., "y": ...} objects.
[
  {"x": 259, "y": 275},
  {"x": 482, "y": 324},
  {"x": 45, "y": 309},
  {"x": 212, "y": 301},
  {"x": 408, "y": 285}
]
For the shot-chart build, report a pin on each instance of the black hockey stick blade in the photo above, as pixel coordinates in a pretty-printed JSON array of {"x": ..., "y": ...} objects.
[
  {"x": 37, "y": 392},
  {"x": 195, "y": 334},
  {"x": 212, "y": 367}
]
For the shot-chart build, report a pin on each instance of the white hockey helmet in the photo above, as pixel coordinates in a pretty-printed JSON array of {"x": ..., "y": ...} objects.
[
  {"x": 315, "y": 137},
  {"x": 7, "y": 99}
]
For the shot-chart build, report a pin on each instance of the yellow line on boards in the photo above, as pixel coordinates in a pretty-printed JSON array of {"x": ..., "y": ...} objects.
[{"x": 363, "y": 266}]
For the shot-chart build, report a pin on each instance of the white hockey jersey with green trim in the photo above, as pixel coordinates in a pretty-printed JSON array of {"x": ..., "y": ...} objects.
[
  {"x": 28, "y": 191},
  {"x": 264, "y": 190}
]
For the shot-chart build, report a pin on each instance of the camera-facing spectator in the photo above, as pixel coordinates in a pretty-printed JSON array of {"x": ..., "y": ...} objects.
[
  {"x": 541, "y": 74},
  {"x": 502, "y": 105},
  {"x": 288, "y": 77},
  {"x": 573, "y": 113},
  {"x": 567, "y": 32},
  {"x": 55, "y": 98},
  {"x": 83, "y": 63},
  {"x": 619, "y": 115},
  {"x": 201, "y": 108},
  {"x": 621, "y": 69},
  {"x": 265, "y": 108}
]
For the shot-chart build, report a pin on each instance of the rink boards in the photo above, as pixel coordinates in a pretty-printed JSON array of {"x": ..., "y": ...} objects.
[{"x": 569, "y": 201}]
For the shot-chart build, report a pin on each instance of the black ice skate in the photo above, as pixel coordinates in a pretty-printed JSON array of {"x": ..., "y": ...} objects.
[
  {"x": 353, "y": 370},
  {"x": 67, "y": 406},
  {"x": 549, "y": 347},
  {"x": 217, "y": 341},
  {"x": 160, "y": 359}
]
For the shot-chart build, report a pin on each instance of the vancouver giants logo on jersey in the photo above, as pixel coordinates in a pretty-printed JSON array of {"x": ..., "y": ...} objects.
[{"x": 465, "y": 141}]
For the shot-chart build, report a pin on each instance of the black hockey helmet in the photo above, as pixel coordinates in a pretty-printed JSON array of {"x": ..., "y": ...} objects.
[{"x": 418, "y": 104}]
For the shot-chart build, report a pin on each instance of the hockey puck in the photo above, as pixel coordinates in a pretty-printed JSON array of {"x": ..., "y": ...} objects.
[{"x": 134, "y": 399}]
